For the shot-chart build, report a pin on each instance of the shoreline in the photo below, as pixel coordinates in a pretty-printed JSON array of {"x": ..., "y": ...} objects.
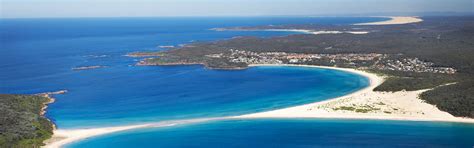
[
  {"x": 394, "y": 20},
  {"x": 51, "y": 99},
  {"x": 63, "y": 137},
  {"x": 315, "y": 32}
]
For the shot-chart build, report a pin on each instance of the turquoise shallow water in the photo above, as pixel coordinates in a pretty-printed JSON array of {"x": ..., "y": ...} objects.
[
  {"x": 293, "y": 133},
  {"x": 184, "y": 92}
]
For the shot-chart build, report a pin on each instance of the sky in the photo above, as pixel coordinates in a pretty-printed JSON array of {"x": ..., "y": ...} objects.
[{"x": 146, "y": 8}]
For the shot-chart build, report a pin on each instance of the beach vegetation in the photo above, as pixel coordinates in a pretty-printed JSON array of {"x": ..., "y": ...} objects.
[
  {"x": 359, "y": 109},
  {"x": 380, "y": 103},
  {"x": 348, "y": 108}
]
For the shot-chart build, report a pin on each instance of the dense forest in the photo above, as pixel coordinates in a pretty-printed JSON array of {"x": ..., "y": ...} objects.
[
  {"x": 444, "y": 41},
  {"x": 21, "y": 121}
]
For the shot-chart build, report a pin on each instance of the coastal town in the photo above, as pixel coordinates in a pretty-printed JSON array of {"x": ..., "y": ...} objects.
[{"x": 371, "y": 60}]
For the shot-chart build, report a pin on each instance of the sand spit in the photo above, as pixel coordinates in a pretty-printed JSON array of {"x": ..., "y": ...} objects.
[
  {"x": 62, "y": 137},
  {"x": 395, "y": 20}
]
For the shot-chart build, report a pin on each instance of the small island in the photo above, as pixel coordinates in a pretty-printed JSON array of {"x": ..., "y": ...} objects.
[{"x": 87, "y": 67}]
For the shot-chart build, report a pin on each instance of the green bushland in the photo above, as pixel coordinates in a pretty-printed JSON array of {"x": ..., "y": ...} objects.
[
  {"x": 457, "y": 99},
  {"x": 409, "y": 81},
  {"x": 21, "y": 122}
]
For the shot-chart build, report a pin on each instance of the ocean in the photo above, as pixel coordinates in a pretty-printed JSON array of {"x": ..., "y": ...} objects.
[
  {"x": 38, "y": 55},
  {"x": 292, "y": 133}
]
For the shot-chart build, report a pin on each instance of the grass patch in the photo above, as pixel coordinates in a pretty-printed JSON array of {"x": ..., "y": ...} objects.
[
  {"x": 349, "y": 108},
  {"x": 361, "y": 109}
]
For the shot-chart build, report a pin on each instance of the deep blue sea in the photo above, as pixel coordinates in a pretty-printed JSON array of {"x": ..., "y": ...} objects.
[
  {"x": 292, "y": 133},
  {"x": 37, "y": 55}
]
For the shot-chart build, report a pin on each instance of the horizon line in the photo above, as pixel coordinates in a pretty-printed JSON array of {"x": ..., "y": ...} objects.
[{"x": 420, "y": 14}]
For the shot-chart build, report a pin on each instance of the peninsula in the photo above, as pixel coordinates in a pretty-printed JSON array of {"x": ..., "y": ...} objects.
[{"x": 412, "y": 57}]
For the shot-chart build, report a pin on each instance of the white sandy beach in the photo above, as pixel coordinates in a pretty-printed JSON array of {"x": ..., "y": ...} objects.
[
  {"x": 395, "y": 20},
  {"x": 62, "y": 137},
  {"x": 305, "y": 31}
]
